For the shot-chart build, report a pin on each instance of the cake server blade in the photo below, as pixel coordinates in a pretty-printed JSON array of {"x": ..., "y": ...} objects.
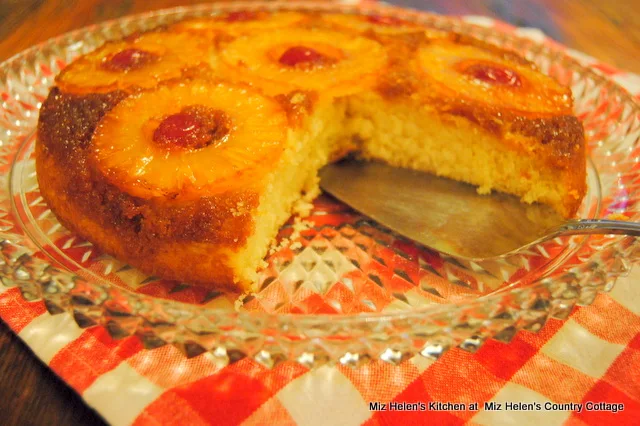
[{"x": 440, "y": 213}]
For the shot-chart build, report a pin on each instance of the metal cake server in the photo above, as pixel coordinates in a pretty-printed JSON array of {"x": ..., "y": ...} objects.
[{"x": 451, "y": 216}]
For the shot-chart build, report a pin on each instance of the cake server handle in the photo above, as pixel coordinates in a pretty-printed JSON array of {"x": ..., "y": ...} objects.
[{"x": 595, "y": 227}]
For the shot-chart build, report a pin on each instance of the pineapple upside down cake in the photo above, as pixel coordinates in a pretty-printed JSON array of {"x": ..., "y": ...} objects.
[{"x": 182, "y": 150}]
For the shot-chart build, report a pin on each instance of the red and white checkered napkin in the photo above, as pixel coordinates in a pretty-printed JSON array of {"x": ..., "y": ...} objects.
[{"x": 592, "y": 357}]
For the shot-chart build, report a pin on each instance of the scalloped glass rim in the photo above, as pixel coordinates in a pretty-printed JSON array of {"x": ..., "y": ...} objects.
[{"x": 598, "y": 267}]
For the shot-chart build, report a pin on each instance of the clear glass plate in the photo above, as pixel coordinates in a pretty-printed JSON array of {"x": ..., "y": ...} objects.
[{"x": 344, "y": 289}]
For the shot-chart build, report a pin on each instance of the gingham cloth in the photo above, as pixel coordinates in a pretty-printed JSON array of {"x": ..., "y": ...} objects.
[{"x": 592, "y": 357}]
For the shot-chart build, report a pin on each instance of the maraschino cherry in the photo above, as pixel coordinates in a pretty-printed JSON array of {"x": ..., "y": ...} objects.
[
  {"x": 302, "y": 56},
  {"x": 129, "y": 59},
  {"x": 494, "y": 75}
]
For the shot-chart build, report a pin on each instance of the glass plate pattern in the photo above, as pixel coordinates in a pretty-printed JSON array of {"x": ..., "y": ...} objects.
[{"x": 342, "y": 289}]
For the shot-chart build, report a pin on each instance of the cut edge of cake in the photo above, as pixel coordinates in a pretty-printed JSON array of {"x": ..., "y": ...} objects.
[{"x": 375, "y": 130}]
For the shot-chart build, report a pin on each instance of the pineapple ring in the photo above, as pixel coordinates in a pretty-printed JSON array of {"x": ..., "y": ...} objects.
[
  {"x": 123, "y": 148},
  {"x": 236, "y": 23},
  {"x": 380, "y": 24},
  {"x": 172, "y": 53},
  {"x": 523, "y": 89},
  {"x": 356, "y": 61}
]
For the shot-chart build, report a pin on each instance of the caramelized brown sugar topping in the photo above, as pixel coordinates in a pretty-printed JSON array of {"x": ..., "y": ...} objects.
[{"x": 298, "y": 105}]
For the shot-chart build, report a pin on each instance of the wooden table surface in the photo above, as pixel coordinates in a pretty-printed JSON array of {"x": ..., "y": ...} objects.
[{"x": 29, "y": 392}]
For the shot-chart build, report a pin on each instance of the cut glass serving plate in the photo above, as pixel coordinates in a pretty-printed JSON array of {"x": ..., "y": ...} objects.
[{"x": 340, "y": 288}]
